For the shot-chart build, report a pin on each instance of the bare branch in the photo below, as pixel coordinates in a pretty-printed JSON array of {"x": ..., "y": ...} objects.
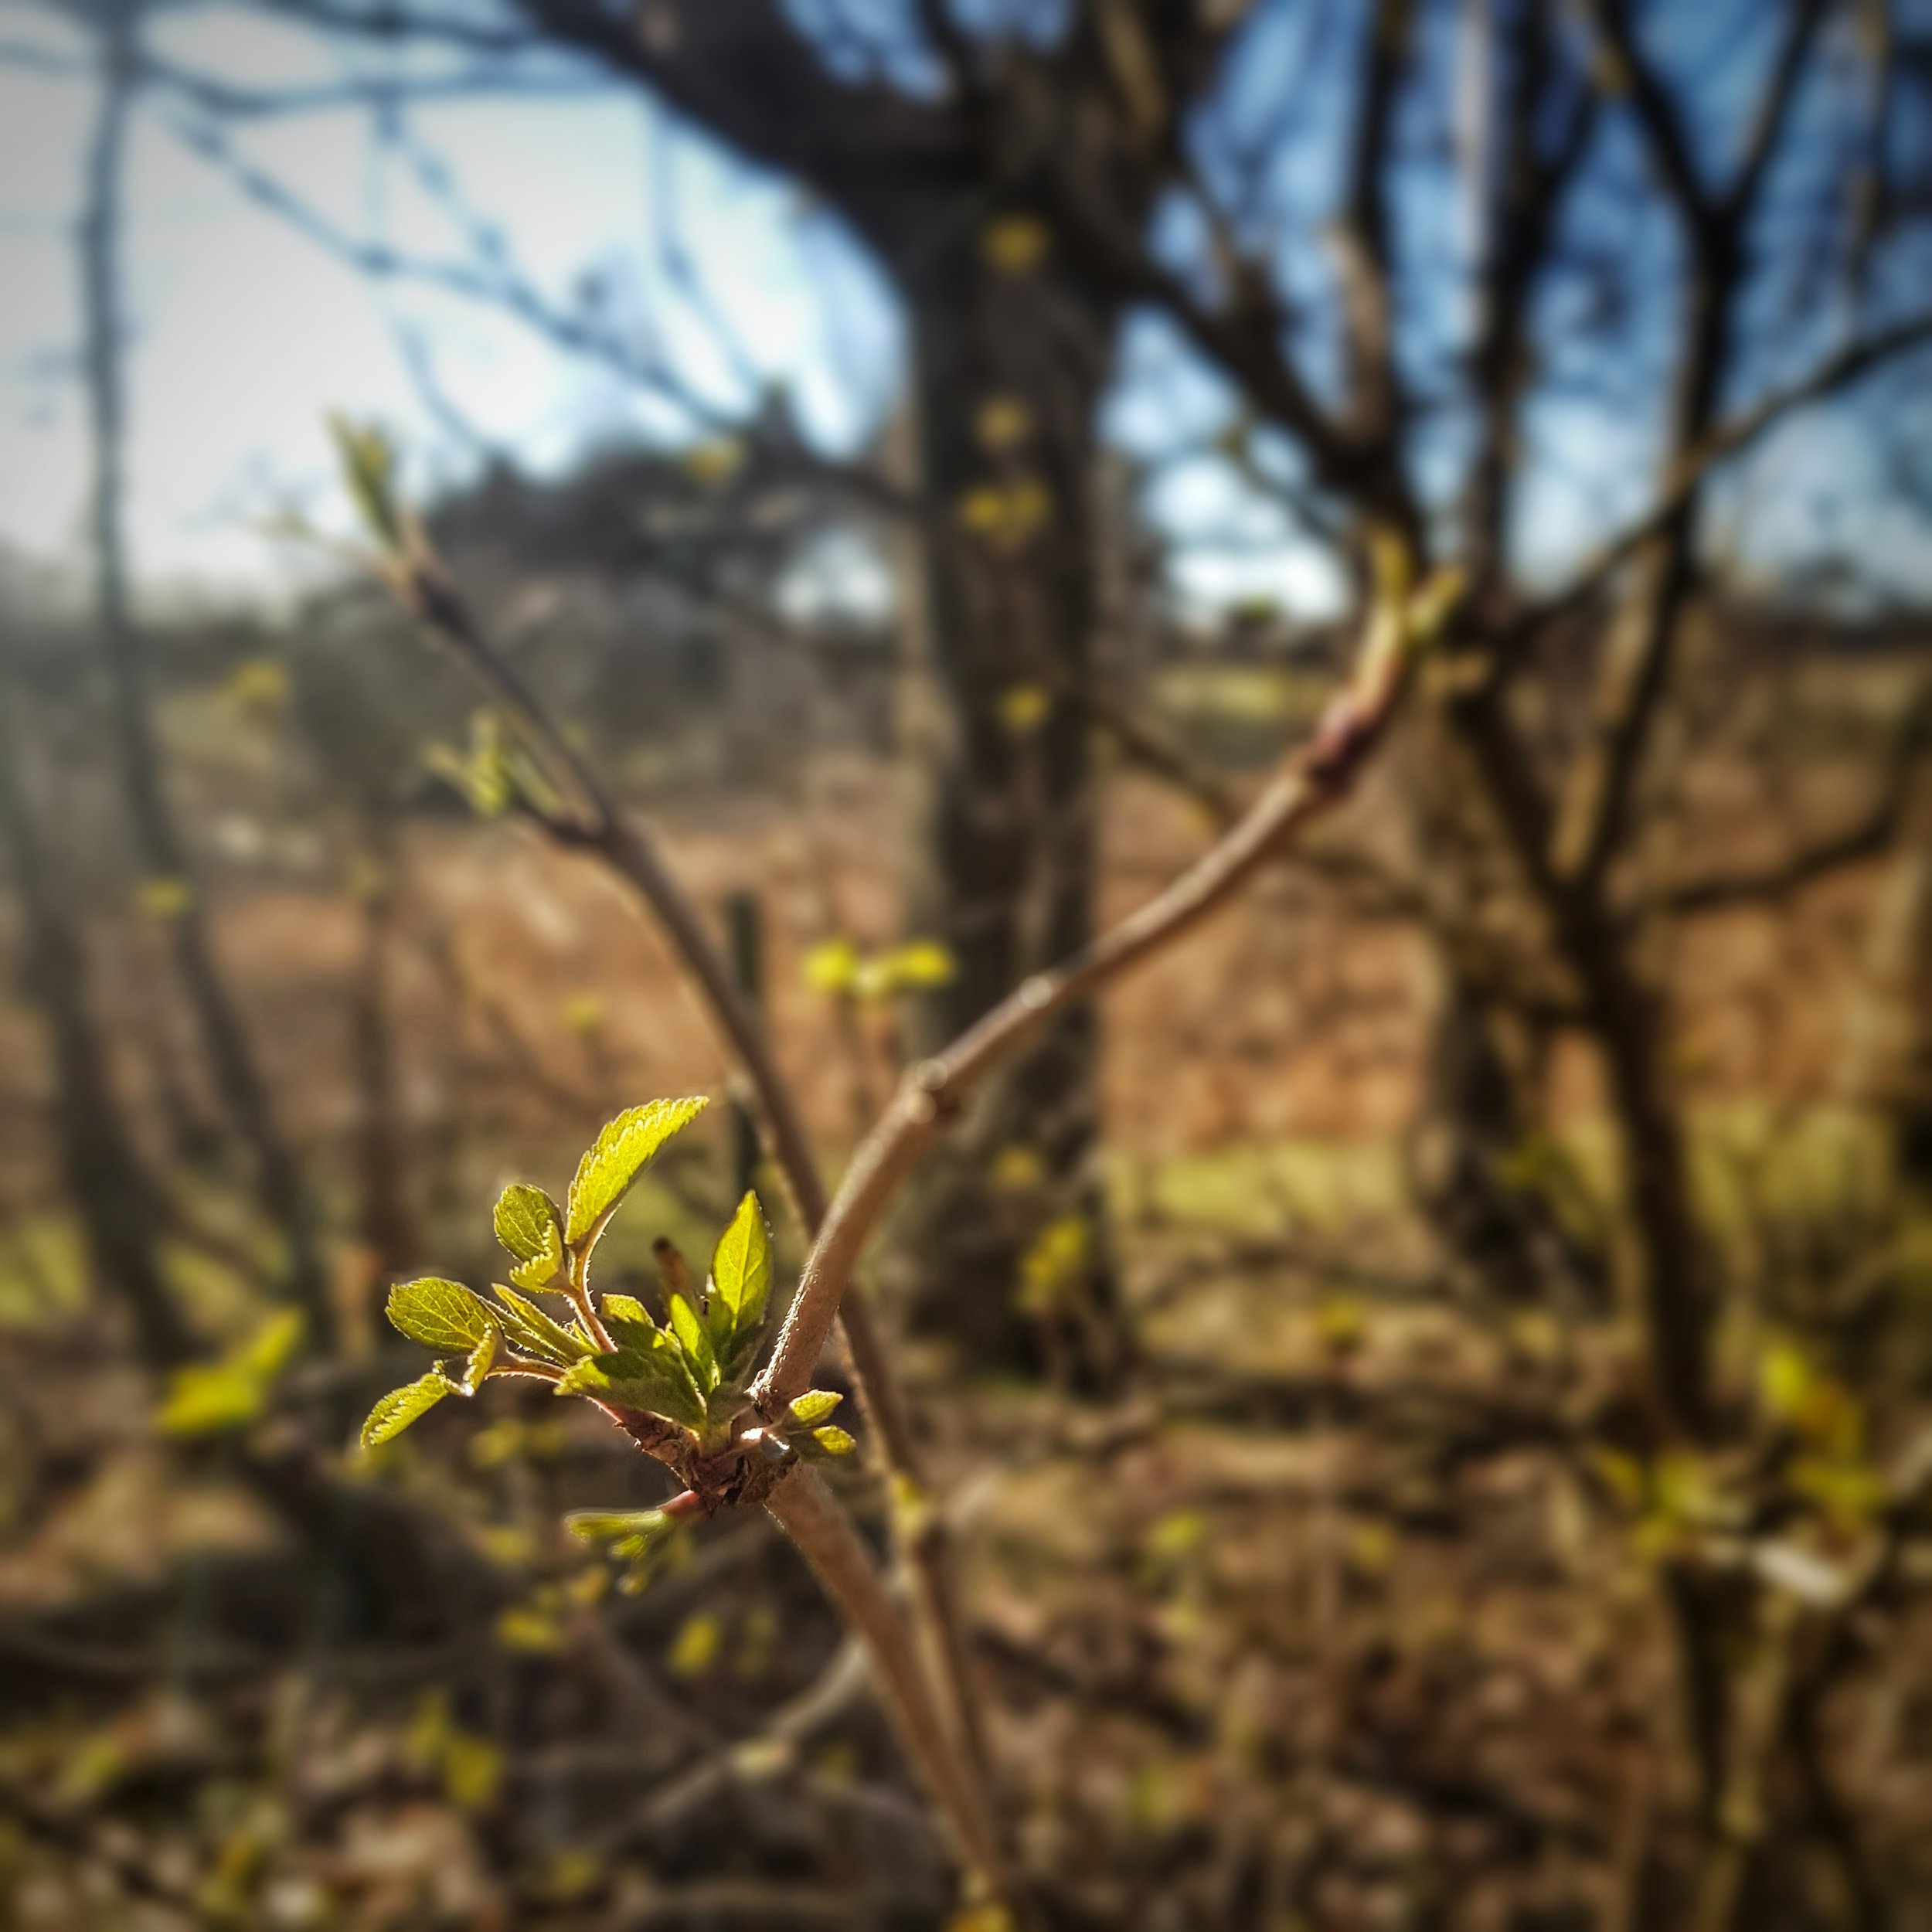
[
  {"x": 1690, "y": 470},
  {"x": 1628, "y": 71},
  {"x": 594, "y": 822},
  {"x": 1868, "y": 836},
  {"x": 1773, "y": 109},
  {"x": 1319, "y": 777},
  {"x": 1362, "y": 239},
  {"x": 822, "y": 1532}
]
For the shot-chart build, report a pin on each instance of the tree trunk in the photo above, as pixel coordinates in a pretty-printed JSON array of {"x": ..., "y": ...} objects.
[
  {"x": 158, "y": 846},
  {"x": 1002, "y": 1244},
  {"x": 105, "y": 1178},
  {"x": 387, "y": 1225}
]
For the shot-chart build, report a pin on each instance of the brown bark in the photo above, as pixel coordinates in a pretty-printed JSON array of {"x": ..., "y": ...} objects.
[
  {"x": 1003, "y": 867},
  {"x": 104, "y": 1174},
  {"x": 159, "y": 848},
  {"x": 387, "y": 1227}
]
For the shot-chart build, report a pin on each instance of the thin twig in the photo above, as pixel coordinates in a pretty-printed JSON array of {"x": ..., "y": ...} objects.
[
  {"x": 1321, "y": 774},
  {"x": 592, "y": 822},
  {"x": 806, "y": 1510},
  {"x": 1730, "y": 439}
]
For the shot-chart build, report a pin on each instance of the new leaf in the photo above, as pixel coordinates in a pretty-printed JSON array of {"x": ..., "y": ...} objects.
[
  {"x": 649, "y": 1373},
  {"x": 439, "y": 1314},
  {"x": 696, "y": 1344},
  {"x": 811, "y": 1408},
  {"x": 482, "y": 1359},
  {"x": 401, "y": 1407},
  {"x": 533, "y": 1331},
  {"x": 740, "y": 1286},
  {"x": 531, "y": 1231},
  {"x": 614, "y": 1159}
]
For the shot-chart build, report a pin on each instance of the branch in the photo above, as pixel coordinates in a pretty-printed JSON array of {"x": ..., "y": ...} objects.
[
  {"x": 1731, "y": 439},
  {"x": 1243, "y": 340},
  {"x": 742, "y": 69},
  {"x": 1628, "y": 70},
  {"x": 592, "y": 822},
  {"x": 493, "y": 280},
  {"x": 1871, "y": 835},
  {"x": 822, "y": 1532},
  {"x": 378, "y": 94},
  {"x": 1637, "y": 670},
  {"x": 389, "y": 25},
  {"x": 1773, "y": 109},
  {"x": 1519, "y": 234},
  {"x": 1363, "y": 239},
  {"x": 954, "y": 47},
  {"x": 1320, "y": 778}
]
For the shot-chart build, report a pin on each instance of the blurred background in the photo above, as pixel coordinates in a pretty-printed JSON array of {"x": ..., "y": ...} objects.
[{"x": 1432, "y": 1379}]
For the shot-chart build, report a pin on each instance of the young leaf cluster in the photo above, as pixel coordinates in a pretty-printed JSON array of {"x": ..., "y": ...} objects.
[
  {"x": 692, "y": 1369},
  {"x": 689, "y": 1370},
  {"x": 493, "y": 773}
]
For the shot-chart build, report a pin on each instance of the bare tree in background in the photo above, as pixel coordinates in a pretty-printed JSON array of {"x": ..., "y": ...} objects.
[
  {"x": 160, "y": 851},
  {"x": 113, "y": 1193},
  {"x": 1631, "y": 226}
]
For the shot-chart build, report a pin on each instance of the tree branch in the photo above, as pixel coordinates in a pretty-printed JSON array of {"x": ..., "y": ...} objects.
[
  {"x": 805, "y": 1509},
  {"x": 1690, "y": 469},
  {"x": 1865, "y": 837},
  {"x": 595, "y": 824},
  {"x": 1320, "y": 778}
]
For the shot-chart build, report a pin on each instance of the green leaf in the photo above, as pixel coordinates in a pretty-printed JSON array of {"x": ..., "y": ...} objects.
[
  {"x": 626, "y": 1308},
  {"x": 439, "y": 1314},
  {"x": 368, "y": 471},
  {"x": 482, "y": 1359},
  {"x": 272, "y": 1347},
  {"x": 696, "y": 1344},
  {"x": 401, "y": 1407},
  {"x": 533, "y": 1331},
  {"x": 614, "y": 1159},
  {"x": 540, "y": 1273},
  {"x": 824, "y": 1445},
  {"x": 628, "y": 1531},
  {"x": 209, "y": 1399},
  {"x": 740, "y": 1286},
  {"x": 641, "y": 1538},
  {"x": 652, "y": 1376},
  {"x": 813, "y": 1405},
  {"x": 206, "y": 1398},
  {"x": 531, "y": 1229}
]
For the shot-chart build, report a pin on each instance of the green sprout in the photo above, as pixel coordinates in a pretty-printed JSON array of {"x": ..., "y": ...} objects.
[{"x": 680, "y": 1388}]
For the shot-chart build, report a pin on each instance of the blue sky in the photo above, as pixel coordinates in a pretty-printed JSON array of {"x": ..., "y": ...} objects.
[{"x": 245, "y": 332}]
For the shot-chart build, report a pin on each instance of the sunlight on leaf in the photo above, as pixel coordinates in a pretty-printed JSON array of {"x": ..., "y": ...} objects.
[
  {"x": 531, "y": 1229},
  {"x": 694, "y": 1651},
  {"x": 401, "y": 1407},
  {"x": 831, "y": 966},
  {"x": 164, "y": 899},
  {"x": 813, "y": 1405},
  {"x": 1015, "y": 243},
  {"x": 740, "y": 1285},
  {"x": 1024, "y": 708},
  {"x": 615, "y": 1158},
  {"x": 439, "y": 1314}
]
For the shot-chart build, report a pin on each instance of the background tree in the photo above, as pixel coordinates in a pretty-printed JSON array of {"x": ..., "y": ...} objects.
[{"x": 1523, "y": 299}]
